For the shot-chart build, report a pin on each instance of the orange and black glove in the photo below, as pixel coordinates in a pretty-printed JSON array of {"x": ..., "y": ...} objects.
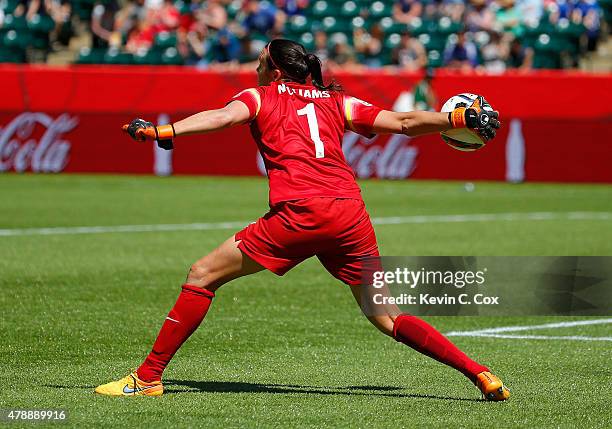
[
  {"x": 141, "y": 130},
  {"x": 479, "y": 116}
]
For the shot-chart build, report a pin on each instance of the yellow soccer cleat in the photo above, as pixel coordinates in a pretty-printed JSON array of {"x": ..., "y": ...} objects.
[
  {"x": 492, "y": 387},
  {"x": 131, "y": 385}
]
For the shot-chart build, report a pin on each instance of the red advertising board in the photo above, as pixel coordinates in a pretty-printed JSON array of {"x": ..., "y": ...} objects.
[{"x": 556, "y": 125}]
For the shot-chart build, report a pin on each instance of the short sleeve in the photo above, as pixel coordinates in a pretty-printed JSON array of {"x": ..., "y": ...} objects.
[
  {"x": 359, "y": 115},
  {"x": 251, "y": 97}
]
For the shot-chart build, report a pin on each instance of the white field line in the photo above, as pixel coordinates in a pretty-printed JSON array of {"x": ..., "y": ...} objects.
[
  {"x": 544, "y": 337},
  {"x": 394, "y": 220},
  {"x": 497, "y": 332}
]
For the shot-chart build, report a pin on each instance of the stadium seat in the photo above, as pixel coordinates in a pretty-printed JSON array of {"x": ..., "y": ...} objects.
[
  {"x": 298, "y": 24},
  {"x": 41, "y": 24},
  {"x": 115, "y": 56},
  {"x": 389, "y": 26},
  {"x": 569, "y": 33},
  {"x": 332, "y": 25},
  {"x": 529, "y": 36},
  {"x": 379, "y": 9},
  {"x": 480, "y": 38},
  {"x": 359, "y": 22},
  {"x": 83, "y": 9},
  {"x": 8, "y": 6},
  {"x": 233, "y": 8},
  {"x": 419, "y": 26},
  {"x": 171, "y": 57},
  {"x": 307, "y": 40},
  {"x": 8, "y": 55},
  {"x": 164, "y": 40},
  {"x": 90, "y": 56},
  {"x": 434, "y": 59},
  {"x": 547, "y": 52},
  {"x": 12, "y": 22},
  {"x": 184, "y": 7},
  {"x": 322, "y": 8},
  {"x": 339, "y": 38},
  {"x": 433, "y": 41},
  {"x": 606, "y": 7},
  {"x": 40, "y": 41},
  {"x": 16, "y": 40},
  {"x": 40, "y": 27},
  {"x": 447, "y": 26},
  {"x": 392, "y": 41},
  {"x": 147, "y": 57},
  {"x": 350, "y": 9}
]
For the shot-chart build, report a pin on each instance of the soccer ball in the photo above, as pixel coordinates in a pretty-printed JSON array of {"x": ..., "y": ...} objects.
[{"x": 462, "y": 138}]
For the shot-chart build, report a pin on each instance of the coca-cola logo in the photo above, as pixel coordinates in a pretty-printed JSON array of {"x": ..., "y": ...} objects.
[
  {"x": 394, "y": 159},
  {"x": 20, "y": 151}
]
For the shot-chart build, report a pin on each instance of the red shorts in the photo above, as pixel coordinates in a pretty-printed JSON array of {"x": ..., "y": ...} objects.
[{"x": 338, "y": 231}]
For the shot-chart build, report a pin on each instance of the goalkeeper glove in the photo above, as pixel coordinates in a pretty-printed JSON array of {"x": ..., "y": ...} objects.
[
  {"x": 141, "y": 130},
  {"x": 475, "y": 117}
]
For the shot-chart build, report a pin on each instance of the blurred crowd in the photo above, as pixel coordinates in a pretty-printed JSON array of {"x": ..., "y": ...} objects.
[{"x": 491, "y": 35}]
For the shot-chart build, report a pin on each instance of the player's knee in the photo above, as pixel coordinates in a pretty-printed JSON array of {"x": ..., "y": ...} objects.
[
  {"x": 200, "y": 274},
  {"x": 384, "y": 323}
]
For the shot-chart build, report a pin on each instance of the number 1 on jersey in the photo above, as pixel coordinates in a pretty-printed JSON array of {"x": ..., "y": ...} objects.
[{"x": 313, "y": 126}]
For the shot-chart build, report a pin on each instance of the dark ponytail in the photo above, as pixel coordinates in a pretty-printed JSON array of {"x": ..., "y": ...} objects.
[
  {"x": 296, "y": 64},
  {"x": 314, "y": 68}
]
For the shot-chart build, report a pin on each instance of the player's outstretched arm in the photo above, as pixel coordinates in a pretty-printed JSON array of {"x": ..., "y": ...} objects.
[
  {"x": 478, "y": 116},
  {"x": 411, "y": 123},
  {"x": 235, "y": 113}
]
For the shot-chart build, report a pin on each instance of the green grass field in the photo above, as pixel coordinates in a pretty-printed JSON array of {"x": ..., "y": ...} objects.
[{"x": 82, "y": 309}]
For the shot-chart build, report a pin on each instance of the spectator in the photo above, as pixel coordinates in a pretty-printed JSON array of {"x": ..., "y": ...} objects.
[
  {"x": 404, "y": 11},
  {"x": 495, "y": 54},
  {"x": 369, "y": 45},
  {"x": 141, "y": 36},
  {"x": 410, "y": 54},
  {"x": 103, "y": 23},
  {"x": 321, "y": 49},
  {"x": 507, "y": 17},
  {"x": 20, "y": 9},
  {"x": 34, "y": 8},
  {"x": 292, "y": 7},
  {"x": 166, "y": 17},
  {"x": 530, "y": 11},
  {"x": 261, "y": 17},
  {"x": 461, "y": 54},
  {"x": 519, "y": 57},
  {"x": 204, "y": 33},
  {"x": 61, "y": 13},
  {"x": 454, "y": 9},
  {"x": 590, "y": 19},
  {"x": 129, "y": 16},
  {"x": 225, "y": 47},
  {"x": 198, "y": 46},
  {"x": 479, "y": 16},
  {"x": 424, "y": 95},
  {"x": 342, "y": 57},
  {"x": 213, "y": 15},
  {"x": 249, "y": 52}
]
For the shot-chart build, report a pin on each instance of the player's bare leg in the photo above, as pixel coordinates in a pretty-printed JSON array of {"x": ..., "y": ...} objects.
[
  {"x": 424, "y": 338},
  {"x": 220, "y": 266},
  {"x": 205, "y": 276}
]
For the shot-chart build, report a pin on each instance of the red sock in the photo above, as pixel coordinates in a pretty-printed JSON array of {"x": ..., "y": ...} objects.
[
  {"x": 184, "y": 318},
  {"x": 424, "y": 338}
]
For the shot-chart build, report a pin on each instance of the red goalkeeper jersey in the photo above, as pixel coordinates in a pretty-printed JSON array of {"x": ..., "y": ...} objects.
[{"x": 299, "y": 129}]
